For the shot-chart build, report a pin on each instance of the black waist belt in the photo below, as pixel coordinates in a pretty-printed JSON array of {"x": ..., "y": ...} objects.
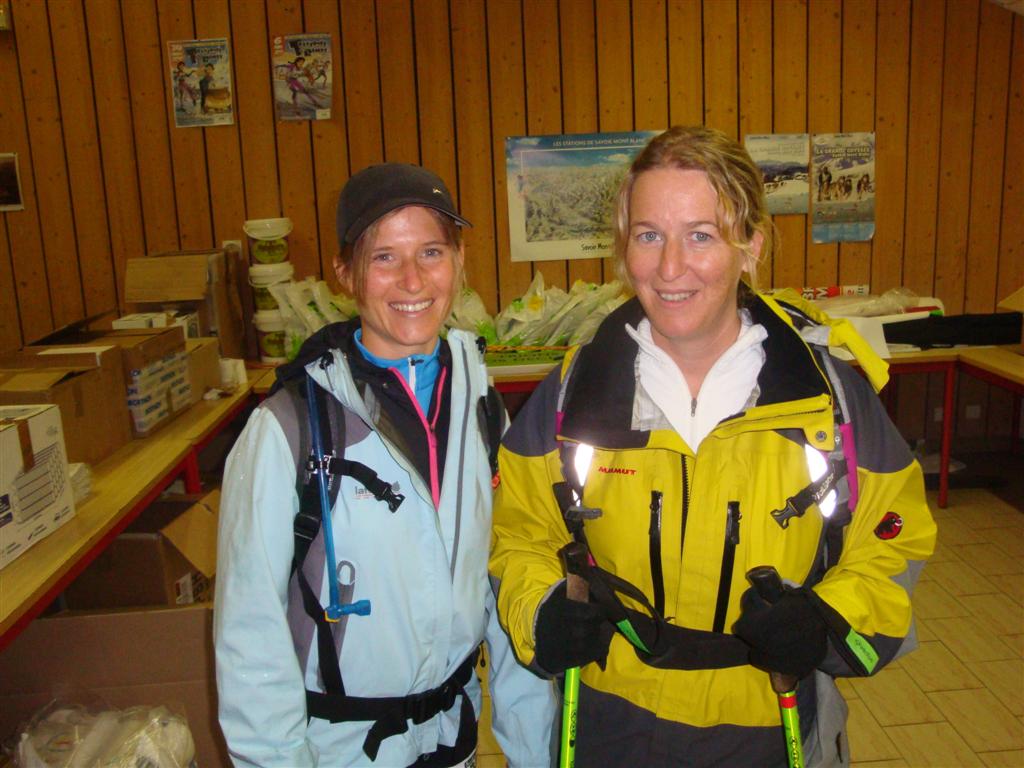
[{"x": 391, "y": 713}]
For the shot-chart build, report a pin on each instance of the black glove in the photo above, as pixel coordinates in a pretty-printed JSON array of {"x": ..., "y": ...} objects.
[
  {"x": 570, "y": 633},
  {"x": 789, "y": 636}
]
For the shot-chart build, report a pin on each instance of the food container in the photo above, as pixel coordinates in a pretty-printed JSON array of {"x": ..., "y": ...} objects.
[
  {"x": 270, "y": 336},
  {"x": 262, "y": 276},
  {"x": 268, "y": 240}
]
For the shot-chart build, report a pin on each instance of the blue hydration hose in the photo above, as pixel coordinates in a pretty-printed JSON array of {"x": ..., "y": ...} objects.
[{"x": 335, "y": 610}]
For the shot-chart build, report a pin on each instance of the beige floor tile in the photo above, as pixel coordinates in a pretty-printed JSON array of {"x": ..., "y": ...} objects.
[
  {"x": 880, "y": 764},
  {"x": 988, "y": 559},
  {"x": 846, "y": 688},
  {"x": 934, "y": 668},
  {"x": 868, "y": 741},
  {"x": 924, "y": 630},
  {"x": 893, "y": 698},
  {"x": 1005, "y": 679},
  {"x": 955, "y": 531},
  {"x": 984, "y": 723},
  {"x": 1014, "y": 641},
  {"x": 1011, "y": 584},
  {"x": 932, "y": 745},
  {"x": 1011, "y": 759},
  {"x": 1009, "y": 540},
  {"x": 971, "y": 642},
  {"x": 931, "y": 600},
  {"x": 960, "y": 578},
  {"x": 944, "y": 553},
  {"x": 984, "y": 504},
  {"x": 997, "y": 612},
  {"x": 490, "y": 761}
]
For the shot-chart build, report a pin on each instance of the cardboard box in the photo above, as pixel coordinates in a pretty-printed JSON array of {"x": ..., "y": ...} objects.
[
  {"x": 124, "y": 659},
  {"x": 203, "y": 366},
  {"x": 203, "y": 281},
  {"x": 35, "y": 493},
  {"x": 1015, "y": 303},
  {"x": 166, "y": 557},
  {"x": 87, "y": 383}
]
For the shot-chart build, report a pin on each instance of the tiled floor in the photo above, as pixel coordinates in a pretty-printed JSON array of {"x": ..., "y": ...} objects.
[{"x": 958, "y": 700}]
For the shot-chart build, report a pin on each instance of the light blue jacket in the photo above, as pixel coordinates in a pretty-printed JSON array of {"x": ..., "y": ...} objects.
[{"x": 424, "y": 572}]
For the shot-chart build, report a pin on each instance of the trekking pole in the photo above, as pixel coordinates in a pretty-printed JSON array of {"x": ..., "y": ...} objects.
[
  {"x": 574, "y": 556},
  {"x": 768, "y": 584}
]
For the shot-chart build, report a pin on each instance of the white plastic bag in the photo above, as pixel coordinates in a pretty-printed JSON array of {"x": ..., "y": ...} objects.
[{"x": 469, "y": 314}]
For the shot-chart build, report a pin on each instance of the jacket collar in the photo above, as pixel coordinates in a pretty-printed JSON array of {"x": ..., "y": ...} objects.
[{"x": 598, "y": 405}]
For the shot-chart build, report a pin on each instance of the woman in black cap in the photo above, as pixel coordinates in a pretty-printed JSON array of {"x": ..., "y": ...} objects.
[{"x": 374, "y": 663}]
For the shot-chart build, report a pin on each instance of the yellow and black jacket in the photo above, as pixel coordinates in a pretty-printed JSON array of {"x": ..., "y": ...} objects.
[{"x": 669, "y": 526}]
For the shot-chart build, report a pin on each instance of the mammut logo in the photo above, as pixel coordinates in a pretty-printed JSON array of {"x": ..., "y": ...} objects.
[
  {"x": 616, "y": 470},
  {"x": 890, "y": 526}
]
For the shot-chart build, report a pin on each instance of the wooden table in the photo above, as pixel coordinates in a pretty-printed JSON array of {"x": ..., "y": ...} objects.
[
  {"x": 123, "y": 484},
  {"x": 1002, "y": 366}
]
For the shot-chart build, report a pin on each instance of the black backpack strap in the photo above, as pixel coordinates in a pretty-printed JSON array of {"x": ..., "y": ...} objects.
[{"x": 490, "y": 414}]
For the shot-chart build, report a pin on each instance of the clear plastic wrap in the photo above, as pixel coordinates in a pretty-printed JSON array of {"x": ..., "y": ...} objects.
[
  {"x": 895, "y": 301},
  {"x": 469, "y": 314},
  {"x": 74, "y": 736}
]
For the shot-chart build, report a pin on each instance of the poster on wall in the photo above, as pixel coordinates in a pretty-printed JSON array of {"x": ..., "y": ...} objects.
[
  {"x": 201, "y": 82},
  {"x": 561, "y": 192},
  {"x": 10, "y": 183},
  {"x": 784, "y": 160},
  {"x": 843, "y": 201},
  {"x": 302, "y": 76}
]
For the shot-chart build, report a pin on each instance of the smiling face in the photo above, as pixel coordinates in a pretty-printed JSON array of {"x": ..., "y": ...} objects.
[
  {"x": 683, "y": 271},
  {"x": 408, "y": 282}
]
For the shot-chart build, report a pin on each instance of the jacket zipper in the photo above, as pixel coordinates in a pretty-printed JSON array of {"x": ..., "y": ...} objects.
[
  {"x": 732, "y": 539},
  {"x": 686, "y": 507},
  {"x": 655, "y": 538},
  {"x": 428, "y": 427}
]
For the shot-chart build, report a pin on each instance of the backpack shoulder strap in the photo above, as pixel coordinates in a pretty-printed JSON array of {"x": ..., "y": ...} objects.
[{"x": 491, "y": 419}]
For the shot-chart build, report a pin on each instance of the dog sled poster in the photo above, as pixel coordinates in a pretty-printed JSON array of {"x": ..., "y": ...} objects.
[
  {"x": 843, "y": 200},
  {"x": 784, "y": 160},
  {"x": 302, "y": 76},
  {"x": 561, "y": 192},
  {"x": 201, "y": 82}
]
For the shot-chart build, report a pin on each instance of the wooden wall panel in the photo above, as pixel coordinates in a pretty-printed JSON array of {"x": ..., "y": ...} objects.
[
  {"x": 954, "y": 155},
  {"x": 24, "y": 239},
  {"x": 543, "y": 96},
  {"x": 824, "y": 115},
  {"x": 330, "y": 141},
  {"x": 720, "y": 76},
  {"x": 147, "y": 88},
  {"x": 927, "y": 25},
  {"x": 789, "y": 69},
  {"x": 991, "y": 90},
  {"x": 858, "y": 96},
  {"x": 893, "y": 54},
  {"x": 579, "y": 95},
  {"x": 295, "y": 160},
  {"x": 397, "y": 81},
  {"x": 508, "y": 118},
  {"x": 107, "y": 176},
  {"x": 81, "y": 142},
  {"x": 49, "y": 163}
]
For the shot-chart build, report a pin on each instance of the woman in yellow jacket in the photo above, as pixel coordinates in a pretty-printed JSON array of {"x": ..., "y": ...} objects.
[{"x": 703, "y": 432}]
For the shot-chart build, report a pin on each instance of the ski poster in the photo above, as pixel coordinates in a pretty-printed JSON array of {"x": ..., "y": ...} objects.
[
  {"x": 201, "y": 82},
  {"x": 784, "y": 160},
  {"x": 561, "y": 192},
  {"x": 843, "y": 201},
  {"x": 302, "y": 76}
]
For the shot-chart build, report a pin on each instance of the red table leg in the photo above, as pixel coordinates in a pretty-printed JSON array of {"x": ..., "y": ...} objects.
[{"x": 192, "y": 482}]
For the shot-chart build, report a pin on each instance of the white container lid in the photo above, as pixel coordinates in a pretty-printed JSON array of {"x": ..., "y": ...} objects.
[{"x": 267, "y": 229}]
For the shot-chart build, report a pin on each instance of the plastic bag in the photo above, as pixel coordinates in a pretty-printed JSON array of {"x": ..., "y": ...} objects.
[
  {"x": 584, "y": 298},
  {"x": 521, "y": 314},
  {"x": 585, "y": 331},
  {"x": 73, "y": 736},
  {"x": 895, "y": 301},
  {"x": 295, "y": 331},
  {"x": 469, "y": 314}
]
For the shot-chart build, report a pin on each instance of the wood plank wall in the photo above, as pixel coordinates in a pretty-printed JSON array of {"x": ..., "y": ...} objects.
[{"x": 85, "y": 102}]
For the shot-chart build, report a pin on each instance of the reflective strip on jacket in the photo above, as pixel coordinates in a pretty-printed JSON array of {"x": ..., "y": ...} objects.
[{"x": 755, "y": 458}]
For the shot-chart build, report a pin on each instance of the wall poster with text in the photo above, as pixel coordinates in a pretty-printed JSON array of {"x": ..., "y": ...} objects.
[
  {"x": 784, "y": 160},
  {"x": 302, "y": 76},
  {"x": 561, "y": 192},
  {"x": 201, "y": 82},
  {"x": 843, "y": 197}
]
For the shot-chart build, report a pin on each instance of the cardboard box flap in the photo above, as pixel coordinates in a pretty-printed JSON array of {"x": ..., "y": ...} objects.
[
  {"x": 194, "y": 534},
  {"x": 170, "y": 278},
  {"x": 1014, "y": 302},
  {"x": 35, "y": 380}
]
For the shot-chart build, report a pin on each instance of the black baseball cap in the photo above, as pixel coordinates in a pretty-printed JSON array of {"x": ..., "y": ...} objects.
[{"x": 380, "y": 189}]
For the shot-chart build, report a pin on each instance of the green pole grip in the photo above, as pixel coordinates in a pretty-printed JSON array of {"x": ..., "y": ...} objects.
[{"x": 570, "y": 708}]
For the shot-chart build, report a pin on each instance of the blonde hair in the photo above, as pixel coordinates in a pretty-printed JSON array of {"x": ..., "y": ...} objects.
[
  {"x": 354, "y": 258},
  {"x": 733, "y": 176}
]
